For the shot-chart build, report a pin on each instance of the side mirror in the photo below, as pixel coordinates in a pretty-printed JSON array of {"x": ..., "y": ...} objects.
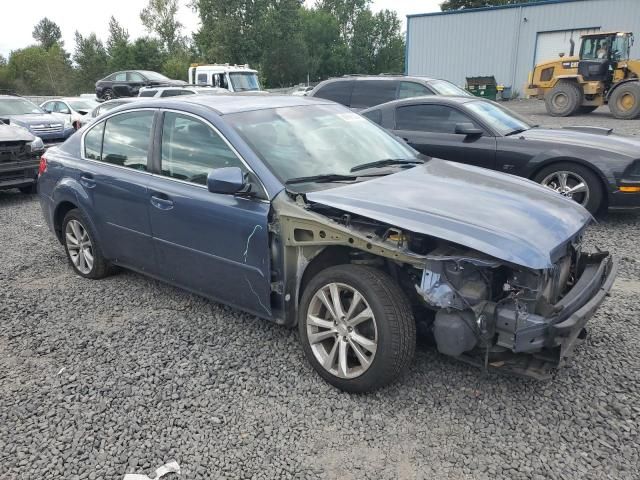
[
  {"x": 468, "y": 129},
  {"x": 226, "y": 180}
]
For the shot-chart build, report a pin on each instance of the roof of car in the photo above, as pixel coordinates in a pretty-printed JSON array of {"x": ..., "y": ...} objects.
[
  {"x": 238, "y": 102},
  {"x": 440, "y": 99},
  {"x": 384, "y": 76}
]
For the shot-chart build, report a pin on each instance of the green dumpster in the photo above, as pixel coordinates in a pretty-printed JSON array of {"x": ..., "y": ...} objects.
[{"x": 485, "y": 87}]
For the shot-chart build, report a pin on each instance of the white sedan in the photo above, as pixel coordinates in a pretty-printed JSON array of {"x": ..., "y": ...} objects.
[{"x": 73, "y": 108}]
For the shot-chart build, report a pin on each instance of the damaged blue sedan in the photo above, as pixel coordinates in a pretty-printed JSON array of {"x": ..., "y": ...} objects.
[{"x": 306, "y": 214}]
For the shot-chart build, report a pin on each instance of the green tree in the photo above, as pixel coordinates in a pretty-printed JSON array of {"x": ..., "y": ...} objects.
[
  {"x": 327, "y": 53},
  {"x": 37, "y": 71},
  {"x": 118, "y": 47},
  {"x": 346, "y": 13},
  {"x": 47, "y": 33},
  {"x": 159, "y": 18},
  {"x": 462, "y": 4},
  {"x": 91, "y": 59},
  {"x": 147, "y": 54}
]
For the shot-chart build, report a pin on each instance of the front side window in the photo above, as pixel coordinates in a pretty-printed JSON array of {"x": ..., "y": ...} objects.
[
  {"x": 502, "y": 120},
  {"x": 312, "y": 140},
  {"x": 429, "y": 118},
  {"x": 191, "y": 149},
  {"x": 368, "y": 93},
  {"x": 338, "y": 91},
  {"x": 62, "y": 107},
  {"x": 126, "y": 139},
  {"x": 120, "y": 77},
  {"x": 135, "y": 77},
  {"x": 413, "y": 89},
  {"x": 93, "y": 142}
]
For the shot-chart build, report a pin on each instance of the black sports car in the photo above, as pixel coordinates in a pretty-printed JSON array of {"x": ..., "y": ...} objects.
[
  {"x": 128, "y": 83},
  {"x": 588, "y": 164}
]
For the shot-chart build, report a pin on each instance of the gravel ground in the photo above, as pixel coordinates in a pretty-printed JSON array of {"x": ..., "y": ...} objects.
[{"x": 103, "y": 378}]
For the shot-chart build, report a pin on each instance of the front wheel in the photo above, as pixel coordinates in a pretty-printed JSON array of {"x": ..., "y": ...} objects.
[
  {"x": 575, "y": 182},
  {"x": 108, "y": 94},
  {"x": 356, "y": 327},
  {"x": 624, "y": 102},
  {"x": 563, "y": 100}
]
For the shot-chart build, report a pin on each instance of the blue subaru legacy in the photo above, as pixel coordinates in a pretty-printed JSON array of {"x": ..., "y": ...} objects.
[{"x": 304, "y": 213}]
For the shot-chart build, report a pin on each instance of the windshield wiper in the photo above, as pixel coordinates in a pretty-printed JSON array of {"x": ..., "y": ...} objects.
[
  {"x": 384, "y": 163},
  {"x": 516, "y": 131},
  {"x": 328, "y": 177}
]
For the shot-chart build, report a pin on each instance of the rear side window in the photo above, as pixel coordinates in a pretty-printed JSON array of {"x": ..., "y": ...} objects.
[
  {"x": 126, "y": 139},
  {"x": 369, "y": 93},
  {"x": 337, "y": 91},
  {"x": 175, "y": 93},
  {"x": 430, "y": 118},
  {"x": 93, "y": 142},
  {"x": 120, "y": 77},
  {"x": 191, "y": 149},
  {"x": 413, "y": 89},
  {"x": 147, "y": 93},
  {"x": 374, "y": 115}
]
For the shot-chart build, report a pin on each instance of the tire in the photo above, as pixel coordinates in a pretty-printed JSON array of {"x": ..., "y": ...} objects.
[
  {"x": 99, "y": 267},
  {"x": 563, "y": 100},
  {"x": 624, "y": 101},
  {"x": 30, "y": 189},
  {"x": 592, "y": 201},
  {"x": 391, "y": 329},
  {"x": 586, "y": 109},
  {"x": 108, "y": 94}
]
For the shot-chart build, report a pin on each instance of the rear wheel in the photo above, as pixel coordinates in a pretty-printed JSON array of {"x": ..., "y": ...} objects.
[
  {"x": 108, "y": 94},
  {"x": 563, "y": 100},
  {"x": 356, "y": 327},
  {"x": 80, "y": 244},
  {"x": 575, "y": 182},
  {"x": 624, "y": 102}
]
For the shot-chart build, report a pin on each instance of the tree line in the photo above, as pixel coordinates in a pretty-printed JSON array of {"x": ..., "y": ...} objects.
[{"x": 284, "y": 40}]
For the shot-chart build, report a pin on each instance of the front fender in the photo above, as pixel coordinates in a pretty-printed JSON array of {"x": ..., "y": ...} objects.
[
  {"x": 543, "y": 159},
  {"x": 621, "y": 82}
]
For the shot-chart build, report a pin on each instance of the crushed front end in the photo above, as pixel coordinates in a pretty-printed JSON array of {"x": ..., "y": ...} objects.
[{"x": 522, "y": 321}]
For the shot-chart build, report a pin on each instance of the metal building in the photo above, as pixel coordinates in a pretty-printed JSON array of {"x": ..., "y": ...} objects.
[{"x": 507, "y": 41}]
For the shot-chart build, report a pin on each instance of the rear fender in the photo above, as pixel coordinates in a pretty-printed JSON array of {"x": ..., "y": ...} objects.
[{"x": 69, "y": 190}]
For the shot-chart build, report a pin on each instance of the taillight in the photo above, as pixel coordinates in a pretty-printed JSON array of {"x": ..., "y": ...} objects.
[{"x": 43, "y": 165}]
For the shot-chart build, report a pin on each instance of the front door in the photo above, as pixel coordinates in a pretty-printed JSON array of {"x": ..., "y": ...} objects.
[
  {"x": 213, "y": 244},
  {"x": 430, "y": 129},
  {"x": 115, "y": 183}
]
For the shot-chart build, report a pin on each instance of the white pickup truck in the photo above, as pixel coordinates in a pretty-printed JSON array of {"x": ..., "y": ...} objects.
[{"x": 235, "y": 78}]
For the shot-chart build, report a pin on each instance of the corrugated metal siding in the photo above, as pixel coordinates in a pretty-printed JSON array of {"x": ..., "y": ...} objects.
[{"x": 502, "y": 42}]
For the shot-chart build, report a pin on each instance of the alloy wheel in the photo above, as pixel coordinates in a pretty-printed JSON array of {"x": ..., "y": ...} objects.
[
  {"x": 79, "y": 246},
  {"x": 568, "y": 184},
  {"x": 342, "y": 330}
]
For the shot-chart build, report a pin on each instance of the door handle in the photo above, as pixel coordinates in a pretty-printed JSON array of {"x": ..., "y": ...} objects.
[
  {"x": 86, "y": 180},
  {"x": 161, "y": 201}
]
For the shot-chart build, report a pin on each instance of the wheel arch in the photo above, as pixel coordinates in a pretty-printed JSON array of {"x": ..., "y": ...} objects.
[
  {"x": 622, "y": 82},
  {"x": 59, "y": 213}
]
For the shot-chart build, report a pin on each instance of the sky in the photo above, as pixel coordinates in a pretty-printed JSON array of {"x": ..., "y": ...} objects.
[{"x": 86, "y": 16}]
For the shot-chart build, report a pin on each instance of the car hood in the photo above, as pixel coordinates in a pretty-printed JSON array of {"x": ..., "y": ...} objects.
[
  {"x": 10, "y": 133},
  {"x": 501, "y": 215},
  {"x": 599, "y": 141},
  {"x": 35, "y": 119}
]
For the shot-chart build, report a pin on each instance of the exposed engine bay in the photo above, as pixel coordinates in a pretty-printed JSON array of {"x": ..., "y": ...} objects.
[{"x": 478, "y": 308}]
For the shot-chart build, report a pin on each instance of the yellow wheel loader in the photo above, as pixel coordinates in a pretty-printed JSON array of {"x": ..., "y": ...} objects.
[{"x": 601, "y": 74}]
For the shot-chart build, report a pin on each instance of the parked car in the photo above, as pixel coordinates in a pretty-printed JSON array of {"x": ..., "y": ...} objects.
[
  {"x": 72, "y": 108},
  {"x": 301, "y": 90},
  {"x": 590, "y": 165},
  {"x": 305, "y": 213},
  {"x": 50, "y": 127},
  {"x": 128, "y": 83},
  {"x": 105, "y": 107},
  {"x": 20, "y": 154},
  {"x": 363, "y": 91},
  {"x": 233, "y": 78},
  {"x": 163, "y": 92}
]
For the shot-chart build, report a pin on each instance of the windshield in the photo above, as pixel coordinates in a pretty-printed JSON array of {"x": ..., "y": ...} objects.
[
  {"x": 502, "y": 120},
  {"x": 315, "y": 140},
  {"x": 154, "y": 75},
  {"x": 244, "y": 82},
  {"x": 18, "y": 106},
  {"x": 442, "y": 87},
  {"x": 84, "y": 105}
]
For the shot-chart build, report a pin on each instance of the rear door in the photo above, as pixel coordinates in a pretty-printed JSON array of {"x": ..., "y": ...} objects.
[
  {"x": 121, "y": 85},
  {"x": 369, "y": 93},
  {"x": 213, "y": 244},
  {"x": 114, "y": 175},
  {"x": 430, "y": 129}
]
